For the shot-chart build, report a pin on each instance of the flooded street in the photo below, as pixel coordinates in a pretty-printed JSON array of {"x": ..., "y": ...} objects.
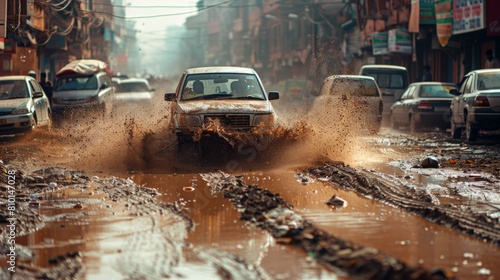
[{"x": 117, "y": 200}]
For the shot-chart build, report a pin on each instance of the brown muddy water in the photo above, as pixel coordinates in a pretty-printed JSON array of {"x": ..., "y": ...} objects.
[{"x": 373, "y": 224}]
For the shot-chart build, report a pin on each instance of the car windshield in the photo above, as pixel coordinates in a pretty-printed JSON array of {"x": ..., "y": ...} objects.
[
  {"x": 132, "y": 87},
  {"x": 487, "y": 81},
  {"x": 436, "y": 91},
  {"x": 76, "y": 83},
  {"x": 357, "y": 87},
  {"x": 389, "y": 80},
  {"x": 222, "y": 86},
  {"x": 13, "y": 90}
]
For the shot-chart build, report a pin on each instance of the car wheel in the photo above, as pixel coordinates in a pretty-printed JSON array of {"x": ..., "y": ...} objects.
[
  {"x": 456, "y": 132},
  {"x": 413, "y": 125},
  {"x": 471, "y": 132}
]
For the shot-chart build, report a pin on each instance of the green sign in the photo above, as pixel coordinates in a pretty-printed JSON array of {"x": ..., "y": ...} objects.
[
  {"x": 427, "y": 12},
  {"x": 400, "y": 41},
  {"x": 380, "y": 43}
]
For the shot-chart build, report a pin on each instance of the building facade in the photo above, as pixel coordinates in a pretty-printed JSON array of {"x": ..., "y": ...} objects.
[{"x": 46, "y": 35}]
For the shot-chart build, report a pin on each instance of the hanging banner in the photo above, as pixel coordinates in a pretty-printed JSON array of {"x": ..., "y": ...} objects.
[
  {"x": 380, "y": 43},
  {"x": 427, "y": 14},
  {"x": 414, "y": 24},
  {"x": 3, "y": 18},
  {"x": 492, "y": 18},
  {"x": 468, "y": 16},
  {"x": 399, "y": 40},
  {"x": 444, "y": 21}
]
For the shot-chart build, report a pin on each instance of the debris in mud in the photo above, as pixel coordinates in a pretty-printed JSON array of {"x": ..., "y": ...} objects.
[
  {"x": 304, "y": 179},
  {"x": 336, "y": 201},
  {"x": 270, "y": 212},
  {"x": 418, "y": 201},
  {"x": 68, "y": 266}
]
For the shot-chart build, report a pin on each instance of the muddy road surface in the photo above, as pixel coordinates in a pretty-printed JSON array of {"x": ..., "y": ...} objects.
[{"x": 113, "y": 198}]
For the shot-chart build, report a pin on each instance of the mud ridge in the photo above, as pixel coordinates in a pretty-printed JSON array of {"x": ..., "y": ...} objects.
[
  {"x": 272, "y": 213},
  {"x": 419, "y": 202}
]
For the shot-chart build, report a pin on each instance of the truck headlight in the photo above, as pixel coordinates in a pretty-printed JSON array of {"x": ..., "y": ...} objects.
[
  {"x": 267, "y": 119},
  {"x": 189, "y": 120},
  {"x": 20, "y": 111}
]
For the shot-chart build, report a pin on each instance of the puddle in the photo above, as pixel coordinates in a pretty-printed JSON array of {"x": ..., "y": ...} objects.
[
  {"x": 395, "y": 232},
  {"x": 104, "y": 240},
  {"x": 370, "y": 223},
  {"x": 217, "y": 225}
]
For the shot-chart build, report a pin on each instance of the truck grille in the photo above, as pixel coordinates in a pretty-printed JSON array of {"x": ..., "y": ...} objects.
[{"x": 231, "y": 121}]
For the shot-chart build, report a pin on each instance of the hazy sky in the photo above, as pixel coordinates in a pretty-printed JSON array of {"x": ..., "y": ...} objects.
[
  {"x": 155, "y": 15},
  {"x": 152, "y": 18}
]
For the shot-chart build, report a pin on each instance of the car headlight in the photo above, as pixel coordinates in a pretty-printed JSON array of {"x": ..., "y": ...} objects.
[
  {"x": 267, "y": 119},
  {"x": 20, "y": 111},
  {"x": 189, "y": 120},
  {"x": 93, "y": 99}
]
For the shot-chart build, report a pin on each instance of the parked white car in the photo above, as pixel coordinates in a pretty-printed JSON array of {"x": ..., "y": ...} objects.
[{"x": 23, "y": 105}]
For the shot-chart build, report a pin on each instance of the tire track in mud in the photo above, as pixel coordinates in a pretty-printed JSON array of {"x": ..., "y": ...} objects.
[
  {"x": 149, "y": 240},
  {"x": 410, "y": 199},
  {"x": 231, "y": 266},
  {"x": 272, "y": 213}
]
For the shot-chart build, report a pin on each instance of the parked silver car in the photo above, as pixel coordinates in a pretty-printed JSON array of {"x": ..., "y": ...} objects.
[
  {"x": 23, "y": 105},
  {"x": 477, "y": 104},
  {"x": 423, "y": 104},
  {"x": 234, "y": 97}
]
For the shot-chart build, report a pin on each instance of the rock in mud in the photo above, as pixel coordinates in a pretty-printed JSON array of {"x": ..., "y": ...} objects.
[
  {"x": 336, "y": 201},
  {"x": 430, "y": 162}
]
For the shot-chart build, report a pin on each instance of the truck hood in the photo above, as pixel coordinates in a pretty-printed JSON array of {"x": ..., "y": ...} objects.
[
  {"x": 11, "y": 104},
  {"x": 225, "y": 106}
]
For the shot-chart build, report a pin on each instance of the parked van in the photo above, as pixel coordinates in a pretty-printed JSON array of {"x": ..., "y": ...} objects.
[
  {"x": 83, "y": 84},
  {"x": 392, "y": 81}
]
